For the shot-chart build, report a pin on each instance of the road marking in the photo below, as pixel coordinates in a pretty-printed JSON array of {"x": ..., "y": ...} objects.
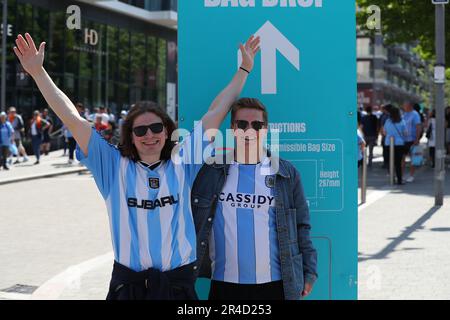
[
  {"x": 14, "y": 296},
  {"x": 71, "y": 277},
  {"x": 89, "y": 178},
  {"x": 374, "y": 196}
]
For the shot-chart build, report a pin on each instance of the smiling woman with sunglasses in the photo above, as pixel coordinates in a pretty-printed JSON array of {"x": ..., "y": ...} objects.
[{"x": 147, "y": 193}]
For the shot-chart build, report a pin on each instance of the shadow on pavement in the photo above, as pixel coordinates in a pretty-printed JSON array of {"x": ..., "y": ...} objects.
[
  {"x": 62, "y": 165},
  {"x": 406, "y": 235},
  {"x": 440, "y": 229}
]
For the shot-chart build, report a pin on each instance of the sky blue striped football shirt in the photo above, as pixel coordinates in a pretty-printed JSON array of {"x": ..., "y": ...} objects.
[
  {"x": 243, "y": 244},
  {"x": 149, "y": 210}
]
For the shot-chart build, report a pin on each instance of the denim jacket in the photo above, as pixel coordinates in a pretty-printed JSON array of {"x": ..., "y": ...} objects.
[{"x": 298, "y": 258}]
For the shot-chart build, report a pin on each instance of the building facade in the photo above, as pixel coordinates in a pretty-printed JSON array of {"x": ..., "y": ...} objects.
[
  {"x": 390, "y": 73},
  {"x": 122, "y": 52},
  {"x": 126, "y": 51}
]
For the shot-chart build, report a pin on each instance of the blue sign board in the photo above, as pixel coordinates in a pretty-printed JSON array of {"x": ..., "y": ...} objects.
[{"x": 305, "y": 75}]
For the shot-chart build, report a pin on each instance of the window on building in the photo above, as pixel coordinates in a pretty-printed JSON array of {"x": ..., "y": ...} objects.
[
  {"x": 152, "y": 63},
  {"x": 364, "y": 47},
  {"x": 161, "y": 73},
  {"x": 138, "y": 67},
  {"x": 364, "y": 69},
  {"x": 55, "y": 43},
  {"x": 112, "y": 61}
]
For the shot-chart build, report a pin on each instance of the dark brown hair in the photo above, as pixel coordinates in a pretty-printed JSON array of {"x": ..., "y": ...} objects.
[
  {"x": 395, "y": 115},
  {"x": 79, "y": 106},
  {"x": 126, "y": 146},
  {"x": 248, "y": 103}
]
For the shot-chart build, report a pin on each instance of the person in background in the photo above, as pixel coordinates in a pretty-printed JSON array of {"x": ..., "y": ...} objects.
[
  {"x": 431, "y": 136},
  {"x": 377, "y": 112},
  {"x": 65, "y": 140},
  {"x": 99, "y": 125},
  {"x": 87, "y": 113},
  {"x": 447, "y": 129},
  {"x": 359, "y": 116},
  {"x": 6, "y": 139},
  {"x": 36, "y": 127},
  {"x": 108, "y": 133},
  {"x": 426, "y": 112},
  {"x": 123, "y": 115},
  {"x": 69, "y": 139},
  {"x": 72, "y": 144},
  {"x": 105, "y": 117},
  {"x": 111, "y": 115},
  {"x": 370, "y": 129},
  {"x": 414, "y": 129},
  {"x": 19, "y": 131},
  {"x": 395, "y": 127},
  {"x": 385, "y": 109},
  {"x": 361, "y": 144},
  {"x": 45, "y": 146},
  {"x": 361, "y": 147},
  {"x": 81, "y": 110},
  {"x": 362, "y": 111},
  {"x": 418, "y": 109},
  {"x": 93, "y": 115}
]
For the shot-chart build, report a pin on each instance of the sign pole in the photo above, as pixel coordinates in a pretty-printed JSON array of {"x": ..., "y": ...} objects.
[{"x": 439, "y": 79}]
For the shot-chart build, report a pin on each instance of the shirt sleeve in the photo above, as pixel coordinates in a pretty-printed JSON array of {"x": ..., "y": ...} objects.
[
  {"x": 190, "y": 152},
  {"x": 416, "y": 119},
  {"x": 102, "y": 160},
  {"x": 11, "y": 129}
]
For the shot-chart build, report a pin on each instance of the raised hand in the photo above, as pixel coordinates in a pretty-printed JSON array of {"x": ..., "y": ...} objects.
[
  {"x": 249, "y": 51},
  {"x": 31, "y": 58}
]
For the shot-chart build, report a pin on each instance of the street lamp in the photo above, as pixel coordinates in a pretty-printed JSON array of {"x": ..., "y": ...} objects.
[{"x": 439, "y": 80}]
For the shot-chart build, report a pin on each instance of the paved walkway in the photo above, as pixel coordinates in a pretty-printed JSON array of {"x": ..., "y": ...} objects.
[
  {"x": 403, "y": 239},
  {"x": 53, "y": 164}
]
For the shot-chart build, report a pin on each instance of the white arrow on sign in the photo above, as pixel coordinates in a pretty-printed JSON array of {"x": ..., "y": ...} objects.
[{"x": 272, "y": 40}]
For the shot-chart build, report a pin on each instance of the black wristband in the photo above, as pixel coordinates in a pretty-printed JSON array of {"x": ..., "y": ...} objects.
[{"x": 245, "y": 70}]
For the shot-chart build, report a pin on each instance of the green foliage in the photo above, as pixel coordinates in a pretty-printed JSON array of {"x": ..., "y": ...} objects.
[{"x": 407, "y": 21}]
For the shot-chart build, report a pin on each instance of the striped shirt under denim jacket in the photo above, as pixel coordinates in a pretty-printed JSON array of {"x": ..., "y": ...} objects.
[{"x": 298, "y": 257}]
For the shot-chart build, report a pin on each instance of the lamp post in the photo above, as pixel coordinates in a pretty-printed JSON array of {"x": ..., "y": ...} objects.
[{"x": 439, "y": 80}]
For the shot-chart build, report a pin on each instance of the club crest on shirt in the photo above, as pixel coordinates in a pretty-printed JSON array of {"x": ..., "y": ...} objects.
[
  {"x": 153, "y": 183},
  {"x": 270, "y": 181}
]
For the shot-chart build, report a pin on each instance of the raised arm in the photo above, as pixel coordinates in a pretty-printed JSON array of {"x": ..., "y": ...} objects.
[
  {"x": 32, "y": 61},
  {"x": 221, "y": 105}
]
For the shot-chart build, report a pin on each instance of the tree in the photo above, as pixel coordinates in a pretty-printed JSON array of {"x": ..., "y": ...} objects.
[{"x": 407, "y": 21}]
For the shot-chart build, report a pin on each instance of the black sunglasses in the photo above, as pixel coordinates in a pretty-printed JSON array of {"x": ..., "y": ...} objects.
[
  {"x": 141, "y": 131},
  {"x": 243, "y": 124}
]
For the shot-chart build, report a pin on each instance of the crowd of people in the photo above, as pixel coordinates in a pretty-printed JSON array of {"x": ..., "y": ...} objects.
[
  {"x": 404, "y": 128},
  {"x": 40, "y": 129}
]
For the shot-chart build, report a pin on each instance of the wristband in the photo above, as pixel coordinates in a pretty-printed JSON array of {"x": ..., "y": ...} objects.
[{"x": 244, "y": 70}]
